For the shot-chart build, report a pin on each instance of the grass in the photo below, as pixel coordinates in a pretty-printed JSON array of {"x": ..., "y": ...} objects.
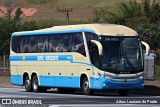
[
  {"x": 157, "y": 72},
  {"x": 83, "y": 8},
  {"x": 39, "y": 1},
  {"x": 87, "y": 3}
]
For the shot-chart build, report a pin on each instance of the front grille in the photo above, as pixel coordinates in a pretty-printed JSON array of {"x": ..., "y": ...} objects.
[{"x": 124, "y": 80}]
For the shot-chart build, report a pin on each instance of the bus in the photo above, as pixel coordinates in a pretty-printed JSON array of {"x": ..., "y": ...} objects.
[{"x": 88, "y": 57}]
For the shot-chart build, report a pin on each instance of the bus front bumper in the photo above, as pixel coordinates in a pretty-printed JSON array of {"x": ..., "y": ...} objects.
[{"x": 102, "y": 83}]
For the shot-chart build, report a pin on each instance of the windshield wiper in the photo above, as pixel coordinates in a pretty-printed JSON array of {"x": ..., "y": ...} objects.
[
  {"x": 125, "y": 56},
  {"x": 129, "y": 61}
]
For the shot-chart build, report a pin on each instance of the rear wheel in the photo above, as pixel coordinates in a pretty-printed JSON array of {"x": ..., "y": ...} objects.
[
  {"x": 85, "y": 87},
  {"x": 27, "y": 84},
  {"x": 123, "y": 92},
  {"x": 35, "y": 85}
]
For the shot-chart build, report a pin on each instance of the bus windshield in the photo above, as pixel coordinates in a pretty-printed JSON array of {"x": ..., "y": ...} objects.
[{"x": 122, "y": 55}]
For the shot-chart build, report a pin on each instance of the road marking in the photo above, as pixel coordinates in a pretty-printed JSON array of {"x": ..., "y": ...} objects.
[{"x": 103, "y": 105}]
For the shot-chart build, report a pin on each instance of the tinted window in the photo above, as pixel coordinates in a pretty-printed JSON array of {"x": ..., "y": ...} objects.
[
  {"x": 56, "y": 43},
  {"x": 91, "y": 36},
  {"x": 78, "y": 44},
  {"x": 69, "y": 42},
  {"x": 16, "y": 44}
]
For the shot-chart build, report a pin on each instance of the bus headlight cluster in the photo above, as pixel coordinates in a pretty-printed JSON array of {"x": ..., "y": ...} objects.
[
  {"x": 140, "y": 77},
  {"x": 107, "y": 77}
]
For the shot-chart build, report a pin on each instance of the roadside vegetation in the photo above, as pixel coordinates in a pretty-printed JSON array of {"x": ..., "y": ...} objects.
[{"x": 157, "y": 72}]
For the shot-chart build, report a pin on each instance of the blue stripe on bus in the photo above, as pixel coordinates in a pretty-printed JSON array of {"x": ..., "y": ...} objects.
[
  {"x": 43, "y": 58},
  {"x": 51, "y": 32},
  {"x": 16, "y": 79},
  {"x": 16, "y": 58},
  {"x": 74, "y": 82},
  {"x": 51, "y": 81}
]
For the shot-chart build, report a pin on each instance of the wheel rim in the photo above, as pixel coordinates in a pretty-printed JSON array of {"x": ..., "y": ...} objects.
[
  {"x": 35, "y": 84},
  {"x": 27, "y": 84},
  {"x": 86, "y": 86}
]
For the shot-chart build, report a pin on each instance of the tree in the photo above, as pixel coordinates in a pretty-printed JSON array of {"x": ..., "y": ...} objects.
[
  {"x": 18, "y": 14},
  {"x": 148, "y": 8},
  {"x": 10, "y": 6},
  {"x": 100, "y": 15}
]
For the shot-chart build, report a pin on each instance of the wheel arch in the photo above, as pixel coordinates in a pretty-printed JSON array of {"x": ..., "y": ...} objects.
[
  {"x": 83, "y": 75},
  {"x": 25, "y": 74}
]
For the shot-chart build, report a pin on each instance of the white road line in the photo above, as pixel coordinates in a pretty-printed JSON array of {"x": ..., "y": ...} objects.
[
  {"x": 12, "y": 89},
  {"x": 103, "y": 105},
  {"x": 13, "y": 96}
]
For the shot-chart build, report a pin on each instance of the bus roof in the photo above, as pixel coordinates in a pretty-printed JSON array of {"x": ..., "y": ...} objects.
[{"x": 100, "y": 29}]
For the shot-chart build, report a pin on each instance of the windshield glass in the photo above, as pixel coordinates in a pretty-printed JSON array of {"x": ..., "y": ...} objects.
[{"x": 121, "y": 54}]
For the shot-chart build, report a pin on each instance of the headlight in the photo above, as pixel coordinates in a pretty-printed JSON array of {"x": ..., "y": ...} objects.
[
  {"x": 107, "y": 77},
  {"x": 140, "y": 77}
]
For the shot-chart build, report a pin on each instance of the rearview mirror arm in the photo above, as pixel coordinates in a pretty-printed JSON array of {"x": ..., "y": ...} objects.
[{"x": 147, "y": 47}]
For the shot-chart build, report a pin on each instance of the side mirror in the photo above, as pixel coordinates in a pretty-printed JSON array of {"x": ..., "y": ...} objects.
[
  {"x": 99, "y": 45},
  {"x": 147, "y": 47}
]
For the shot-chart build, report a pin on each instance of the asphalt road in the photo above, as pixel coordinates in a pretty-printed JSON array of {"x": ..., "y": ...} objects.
[{"x": 78, "y": 99}]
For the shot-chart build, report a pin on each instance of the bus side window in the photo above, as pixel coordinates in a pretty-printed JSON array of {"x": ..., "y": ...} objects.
[
  {"x": 46, "y": 43},
  {"x": 55, "y": 43},
  {"x": 66, "y": 41},
  {"x": 91, "y": 36},
  {"x": 78, "y": 44},
  {"x": 24, "y": 45},
  {"x": 16, "y": 44}
]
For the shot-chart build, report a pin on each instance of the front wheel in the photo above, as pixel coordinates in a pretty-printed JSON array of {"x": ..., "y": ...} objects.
[
  {"x": 85, "y": 87},
  {"x": 123, "y": 92},
  {"x": 27, "y": 84}
]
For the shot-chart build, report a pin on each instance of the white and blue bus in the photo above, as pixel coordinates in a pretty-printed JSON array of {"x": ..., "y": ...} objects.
[{"x": 88, "y": 56}]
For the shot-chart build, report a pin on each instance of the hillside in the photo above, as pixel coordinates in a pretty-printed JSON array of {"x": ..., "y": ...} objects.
[{"x": 82, "y": 9}]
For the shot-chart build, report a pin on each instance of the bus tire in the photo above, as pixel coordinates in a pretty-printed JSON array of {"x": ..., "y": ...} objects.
[
  {"x": 123, "y": 92},
  {"x": 35, "y": 84},
  {"x": 27, "y": 84},
  {"x": 85, "y": 87}
]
